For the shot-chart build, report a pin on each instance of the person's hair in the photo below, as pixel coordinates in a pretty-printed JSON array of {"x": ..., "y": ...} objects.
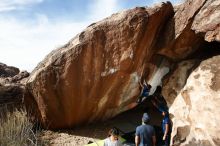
[
  {"x": 166, "y": 113},
  {"x": 145, "y": 122},
  {"x": 158, "y": 89},
  {"x": 113, "y": 131},
  {"x": 145, "y": 118}
]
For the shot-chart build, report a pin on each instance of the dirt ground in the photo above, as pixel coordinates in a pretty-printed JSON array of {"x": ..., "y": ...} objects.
[{"x": 125, "y": 122}]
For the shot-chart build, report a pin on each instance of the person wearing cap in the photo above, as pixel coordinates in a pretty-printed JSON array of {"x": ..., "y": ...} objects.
[
  {"x": 166, "y": 127},
  {"x": 145, "y": 133}
]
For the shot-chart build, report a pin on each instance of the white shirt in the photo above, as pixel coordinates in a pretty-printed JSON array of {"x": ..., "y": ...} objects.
[{"x": 108, "y": 142}]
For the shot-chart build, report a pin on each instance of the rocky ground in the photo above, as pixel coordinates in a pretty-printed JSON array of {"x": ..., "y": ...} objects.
[
  {"x": 80, "y": 136},
  {"x": 75, "y": 137}
]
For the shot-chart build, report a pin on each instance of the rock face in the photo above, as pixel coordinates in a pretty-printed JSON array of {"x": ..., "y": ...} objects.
[
  {"x": 196, "y": 108},
  {"x": 177, "y": 80},
  {"x": 194, "y": 99},
  {"x": 194, "y": 21},
  {"x": 207, "y": 21},
  {"x": 95, "y": 76},
  {"x": 180, "y": 39},
  {"x": 11, "y": 84}
]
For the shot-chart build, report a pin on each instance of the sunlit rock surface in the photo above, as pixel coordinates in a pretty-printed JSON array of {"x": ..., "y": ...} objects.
[
  {"x": 207, "y": 21},
  {"x": 196, "y": 111},
  {"x": 177, "y": 80},
  {"x": 179, "y": 40},
  {"x": 95, "y": 76}
]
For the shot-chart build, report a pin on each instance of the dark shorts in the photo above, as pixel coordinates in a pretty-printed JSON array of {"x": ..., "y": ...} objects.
[{"x": 144, "y": 94}]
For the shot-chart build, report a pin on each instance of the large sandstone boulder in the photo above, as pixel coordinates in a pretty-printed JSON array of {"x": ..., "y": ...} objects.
[
  {"x": 195, "y": 111},
  {"x": 95, "y": 76}
]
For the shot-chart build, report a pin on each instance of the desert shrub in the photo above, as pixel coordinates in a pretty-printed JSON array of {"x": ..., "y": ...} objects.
[{"x": 16, "y": 129}]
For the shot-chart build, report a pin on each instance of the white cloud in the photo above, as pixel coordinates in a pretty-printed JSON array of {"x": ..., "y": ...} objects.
[
  {"x": 100, "y": 9},
  {"x": 174, "y": 2},
  {"x": 24, "y": 44},
  {"x": 8, "y": 5}
]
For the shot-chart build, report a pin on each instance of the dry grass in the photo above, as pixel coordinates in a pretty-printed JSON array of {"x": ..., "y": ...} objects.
[{"x": 16, "y": 129}]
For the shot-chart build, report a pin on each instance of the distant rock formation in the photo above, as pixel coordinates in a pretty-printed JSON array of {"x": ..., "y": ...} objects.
[
  {"x": 12, "y": 84},
  {"x": 8, "y": 71},
  {"x": 95, "y": 76}
]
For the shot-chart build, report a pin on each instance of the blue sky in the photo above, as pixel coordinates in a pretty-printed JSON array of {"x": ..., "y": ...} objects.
[{"x": 30, "y": 29}]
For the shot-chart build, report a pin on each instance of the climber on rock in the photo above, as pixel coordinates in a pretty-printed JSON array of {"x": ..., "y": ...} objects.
[
  {"x": 158, "y": 100},
  {"x": 144, "y": 91}
]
